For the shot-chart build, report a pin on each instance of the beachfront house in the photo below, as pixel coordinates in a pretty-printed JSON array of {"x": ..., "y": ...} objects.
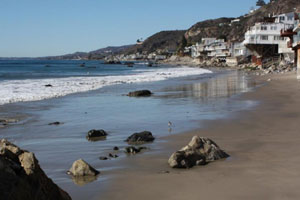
[
  {"x": 296, "y": 42},
  {"x": 264, "y": 39},
  {"x": 219, "y": 49},
  {"x": 197, "y": 50},
  {"x": 215, "y": 48},
  {"x": 238, "y": 49}
]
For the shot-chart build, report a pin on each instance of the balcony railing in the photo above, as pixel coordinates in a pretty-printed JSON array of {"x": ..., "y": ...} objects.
[{"x": 287, "y": 32}]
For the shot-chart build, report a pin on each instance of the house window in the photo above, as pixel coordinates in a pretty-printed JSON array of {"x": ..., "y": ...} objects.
[
  {"x": 290, "y": 18},
  {"x": 277, "y": 38},
  {"x": 263, "y": 28},
  {"x": 264, "y": 37},
  {"x": 274, "y": 28},
  {"x": 282, "y": 18}
]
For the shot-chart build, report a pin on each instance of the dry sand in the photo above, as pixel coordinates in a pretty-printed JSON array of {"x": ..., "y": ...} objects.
[{"x": 264, "y": 144}]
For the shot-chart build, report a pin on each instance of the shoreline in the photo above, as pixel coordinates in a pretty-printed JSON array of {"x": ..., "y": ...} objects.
[
  {"x": 62, "y": 135},
  {"x": 263, "y": 144}
]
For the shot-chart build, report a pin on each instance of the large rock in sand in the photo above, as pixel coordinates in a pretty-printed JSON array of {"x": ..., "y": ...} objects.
[
  {"x": 199, "y": 151},
  {"x": 22, "y": 178},
  {"x": 141, "y": 137},
  {"x": 81, "y": 168}
]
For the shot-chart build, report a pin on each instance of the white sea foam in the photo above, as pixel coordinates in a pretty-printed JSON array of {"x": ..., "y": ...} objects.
[{"x": 34, "y": 89}]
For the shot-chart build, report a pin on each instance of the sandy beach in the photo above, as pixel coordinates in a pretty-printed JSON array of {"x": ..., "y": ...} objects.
[{"x": 263, "y": 144}]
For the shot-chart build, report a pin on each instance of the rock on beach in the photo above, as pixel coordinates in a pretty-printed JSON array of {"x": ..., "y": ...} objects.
[
  {"x": 21, "y": 176},
  {"x": 199, "y": 151},
  {"x": 81, "y": 168},
  {"x": 142, "y": 137}
]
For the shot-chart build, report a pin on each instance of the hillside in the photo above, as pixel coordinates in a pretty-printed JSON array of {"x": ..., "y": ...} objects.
[
  {"x": 166, "y": 41},
  {"x": 235, "y": 31}
]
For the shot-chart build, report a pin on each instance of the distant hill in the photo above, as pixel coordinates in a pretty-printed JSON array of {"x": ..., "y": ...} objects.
[
  {"x": 164, "y": 41},
  {"x": 97, "y": 54}
]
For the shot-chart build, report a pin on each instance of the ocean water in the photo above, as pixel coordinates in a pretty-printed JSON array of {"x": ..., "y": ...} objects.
[
  {"x": 93, "y": 97},
  {"x": 27, "y": 80}
]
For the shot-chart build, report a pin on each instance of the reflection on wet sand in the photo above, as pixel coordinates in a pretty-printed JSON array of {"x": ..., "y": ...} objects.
[
  {"x": 222, "y": 86},
  {"x": 81, "y": 181}
]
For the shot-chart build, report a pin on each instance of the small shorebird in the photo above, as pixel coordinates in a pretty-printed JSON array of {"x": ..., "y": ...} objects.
[{"x": 170, "y": 124}]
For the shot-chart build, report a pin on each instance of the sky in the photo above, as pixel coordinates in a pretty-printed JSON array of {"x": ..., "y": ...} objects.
[{"x": 33, "y": 28}]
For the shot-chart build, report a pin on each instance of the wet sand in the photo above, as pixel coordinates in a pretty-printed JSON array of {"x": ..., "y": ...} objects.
[{"x": 263, "y": 144}]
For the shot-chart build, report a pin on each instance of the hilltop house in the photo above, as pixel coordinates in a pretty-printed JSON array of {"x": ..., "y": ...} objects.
[{"x": 264, "y": 39}]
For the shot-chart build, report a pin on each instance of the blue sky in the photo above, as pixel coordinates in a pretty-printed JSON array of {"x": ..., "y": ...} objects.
[{"x": 30, "y": 28}]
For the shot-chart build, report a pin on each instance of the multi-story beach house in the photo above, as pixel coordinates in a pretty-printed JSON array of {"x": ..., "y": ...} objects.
[
  {"x": 264, "y": 38},
  {"x": 209, "y": 47},
  {"x": 197, "y": 50},
  {"x": 238, "y": 49},
  {"x": 219, "y": 48},
  {"x": 296, "y": 42}
]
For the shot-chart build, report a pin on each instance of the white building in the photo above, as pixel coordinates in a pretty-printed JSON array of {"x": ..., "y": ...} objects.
[
  {"x": 238, "y": 49},
  {"x": 198, "y": 49},
  {"x": 219, "y": 48},
  {"x": 264, "y": 38},
  {"x": 296, "y": 43}
]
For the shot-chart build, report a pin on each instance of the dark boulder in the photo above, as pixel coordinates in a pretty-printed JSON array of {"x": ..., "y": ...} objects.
[
  {"x": 116, "y": 148},
  {"x": 22, "y": 178},
  {"x": 199, "y": 151},
  {"x": 141, "y": 137},
  {"x": 140, "y": 93},
  {"x": 95, "y": 135}
]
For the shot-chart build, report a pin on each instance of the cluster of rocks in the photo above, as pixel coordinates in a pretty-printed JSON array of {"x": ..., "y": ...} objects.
[
  {"x": 22, "y": 178},
  {"x": 199, "y": 151},
  {"x": 134, "y": 150},
  {"x": 82, "y": 172},
  {"x": 269, "y": 69},
  {"x": 279, "y": 69}
]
